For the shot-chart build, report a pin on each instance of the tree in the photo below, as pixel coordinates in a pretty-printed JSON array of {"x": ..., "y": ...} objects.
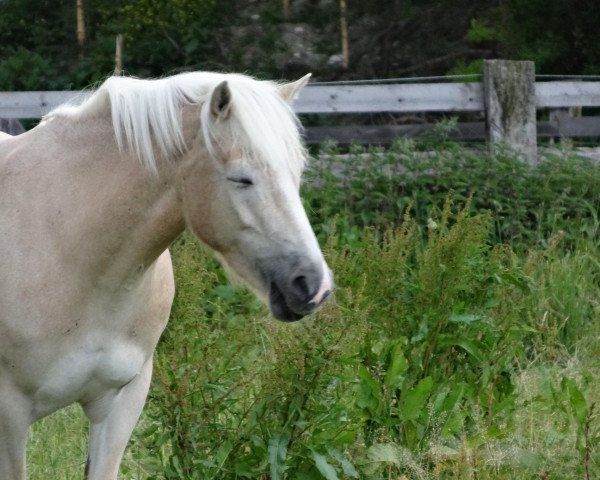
[{"x": 560, "y": 37}]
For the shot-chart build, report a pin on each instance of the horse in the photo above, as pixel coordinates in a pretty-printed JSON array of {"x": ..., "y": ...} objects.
[{"x": 90, "y": 200}]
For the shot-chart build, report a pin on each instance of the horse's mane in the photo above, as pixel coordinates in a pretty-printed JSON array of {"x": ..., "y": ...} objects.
[{"x": 146, "y": 115}]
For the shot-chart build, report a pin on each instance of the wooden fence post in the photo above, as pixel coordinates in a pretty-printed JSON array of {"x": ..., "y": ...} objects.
[{"x": 509, "y": 99}]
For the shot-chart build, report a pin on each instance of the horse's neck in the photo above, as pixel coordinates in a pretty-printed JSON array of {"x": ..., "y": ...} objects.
[{"x": 110, "y": 214}]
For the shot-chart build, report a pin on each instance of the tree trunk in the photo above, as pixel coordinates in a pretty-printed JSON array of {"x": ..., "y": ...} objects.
[
  {"x": 286, "y": 10},
  {"x": 344, "y": 32},
  {"x": 119, "y": 56},
  {"x": 81, "y": 38}
]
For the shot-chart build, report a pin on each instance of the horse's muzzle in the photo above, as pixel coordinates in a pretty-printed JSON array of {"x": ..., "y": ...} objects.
[{"x": 301, "y": 294}]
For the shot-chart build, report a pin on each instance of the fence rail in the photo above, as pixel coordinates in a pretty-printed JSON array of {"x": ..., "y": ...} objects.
[
  {"x": 23, "y": 105},
  {"x": 502, "y": 81},
  {"x": 395, "y": 98},
  {"x": 347, "y": 99}
]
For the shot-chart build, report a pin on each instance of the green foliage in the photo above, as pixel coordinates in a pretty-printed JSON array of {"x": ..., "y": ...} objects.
[
  {"x": 480, "y": 31},
  {"x": 561, "y": 37},
  {"x": 184, "y": 34},
  {"x": 23, "y": 69},
  {"x": 386, "y": 37},
  {"x": 528, "y": 204},
  {"x": 472, "y": 68},
  {"x": 417, "y": 359},
  {"x": 38, "y": 43}
]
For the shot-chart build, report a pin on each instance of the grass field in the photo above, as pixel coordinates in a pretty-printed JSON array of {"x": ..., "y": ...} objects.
[{"x": 463, "y": 340}]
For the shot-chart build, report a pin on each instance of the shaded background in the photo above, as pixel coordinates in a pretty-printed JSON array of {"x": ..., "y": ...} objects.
[{"x": 40, "y": 47}]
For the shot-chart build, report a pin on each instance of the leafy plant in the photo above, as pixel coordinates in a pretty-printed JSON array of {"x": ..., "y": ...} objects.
[{"x": 528, "y": 204}]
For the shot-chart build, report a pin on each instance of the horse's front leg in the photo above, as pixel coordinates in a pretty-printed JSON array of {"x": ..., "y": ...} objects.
[
  {"x": 15, "y": 416},
  {"x": 113, "y": 418}
]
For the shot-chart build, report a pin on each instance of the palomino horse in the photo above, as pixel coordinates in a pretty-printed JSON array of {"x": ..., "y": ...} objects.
[{"x": 90, "y": 200}]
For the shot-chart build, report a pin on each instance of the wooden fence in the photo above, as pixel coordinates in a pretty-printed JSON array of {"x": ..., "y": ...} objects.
[{"x": 508, "y": 96}]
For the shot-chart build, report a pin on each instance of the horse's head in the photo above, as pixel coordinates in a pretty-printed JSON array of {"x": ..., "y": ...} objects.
[{"x": 241, "y": 194}]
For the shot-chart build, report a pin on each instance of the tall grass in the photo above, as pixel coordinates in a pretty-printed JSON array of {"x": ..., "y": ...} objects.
[{"x": 445, "y": 353}]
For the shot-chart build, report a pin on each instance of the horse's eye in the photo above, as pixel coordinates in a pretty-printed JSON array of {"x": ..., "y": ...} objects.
[{"x": 242, "y": 182}]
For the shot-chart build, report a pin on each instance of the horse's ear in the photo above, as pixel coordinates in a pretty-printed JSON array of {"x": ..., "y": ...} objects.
[
  {"x": 220, "y": 101},
  {"x": 290, "y": 91}
]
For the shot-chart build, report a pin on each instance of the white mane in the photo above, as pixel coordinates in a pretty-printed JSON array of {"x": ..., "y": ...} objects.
[{"x": 146, "y": 116}]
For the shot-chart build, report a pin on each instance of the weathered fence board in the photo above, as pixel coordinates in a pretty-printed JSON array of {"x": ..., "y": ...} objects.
[
  {"x": 34, "y": 104},
  {"x": 387, "y": 134},
  {"x": 567, "y": 94},
  {"x": 578, "y": 127},
  {"x": 427, "y": 97},
  {"x": 356, "y": 98},
  {"x": 319, "y": 99}
]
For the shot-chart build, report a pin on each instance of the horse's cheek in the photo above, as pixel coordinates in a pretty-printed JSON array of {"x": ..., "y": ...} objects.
[{"x": 204, "y": 216}]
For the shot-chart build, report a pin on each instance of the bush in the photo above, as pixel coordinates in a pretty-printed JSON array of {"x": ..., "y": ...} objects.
[
  {"x": 22, "y": 69},
  {"x": 528, "y": 204},
  {"x": 418, "y": 360}
]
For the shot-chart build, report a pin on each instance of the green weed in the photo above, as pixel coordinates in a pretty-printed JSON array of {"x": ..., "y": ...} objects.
[{"x": 528, "y": 204}]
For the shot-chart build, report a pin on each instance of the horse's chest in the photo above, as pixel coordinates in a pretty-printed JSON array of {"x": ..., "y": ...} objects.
[
  {"x": 117, "y": 364},
  {"x": 85, "y": 373}
]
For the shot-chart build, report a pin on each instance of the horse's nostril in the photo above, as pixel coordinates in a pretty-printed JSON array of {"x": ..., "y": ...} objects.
[{"x": 301, "y": 286}]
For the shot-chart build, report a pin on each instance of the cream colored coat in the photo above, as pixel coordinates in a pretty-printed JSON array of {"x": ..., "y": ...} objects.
[{"x": 86, "y": 281}]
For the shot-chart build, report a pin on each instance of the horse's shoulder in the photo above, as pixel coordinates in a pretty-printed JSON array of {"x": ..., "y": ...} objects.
[{"x": 164, "y": 276}]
